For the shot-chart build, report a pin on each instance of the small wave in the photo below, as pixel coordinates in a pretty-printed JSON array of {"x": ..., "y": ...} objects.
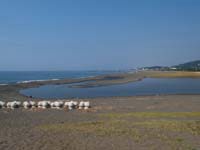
[
  {"x": 84, "y": 77},
  {"x": 30, "y": 81},
  {"x": 3, "y": 84},
  {"x": 55, "y": 79}
]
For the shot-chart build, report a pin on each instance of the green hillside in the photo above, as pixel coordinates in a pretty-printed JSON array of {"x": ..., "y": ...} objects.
[{"x": 189, "y": 66}]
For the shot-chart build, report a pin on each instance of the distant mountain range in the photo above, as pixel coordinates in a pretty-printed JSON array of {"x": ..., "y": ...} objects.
[
  {"x": 193, "y": 66},
  {"x": 189, "y": 66}
]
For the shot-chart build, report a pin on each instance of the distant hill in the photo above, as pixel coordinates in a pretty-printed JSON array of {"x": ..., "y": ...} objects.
[{"x": 189, "y": 66}]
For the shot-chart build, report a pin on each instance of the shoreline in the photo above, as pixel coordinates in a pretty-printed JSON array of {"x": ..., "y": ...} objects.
[{"x": 10, "y": 91}]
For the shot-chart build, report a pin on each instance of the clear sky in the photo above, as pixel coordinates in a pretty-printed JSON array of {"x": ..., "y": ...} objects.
[{"x": 97, "y": 34}]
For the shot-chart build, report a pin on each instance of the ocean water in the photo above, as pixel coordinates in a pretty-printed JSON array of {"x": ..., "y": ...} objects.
[
  {"x": 148, "y": 86},
  {"x": 10, "y": 77}
]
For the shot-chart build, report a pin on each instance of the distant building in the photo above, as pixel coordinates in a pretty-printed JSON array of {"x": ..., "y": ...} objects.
[{"x": 173, "y": 68}]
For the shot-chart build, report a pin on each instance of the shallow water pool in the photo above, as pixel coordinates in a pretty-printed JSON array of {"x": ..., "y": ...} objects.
[{"x": 148, "y": 86}]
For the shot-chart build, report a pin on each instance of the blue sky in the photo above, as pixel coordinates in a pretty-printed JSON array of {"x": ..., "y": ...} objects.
[{"x": 103, "y": 34}]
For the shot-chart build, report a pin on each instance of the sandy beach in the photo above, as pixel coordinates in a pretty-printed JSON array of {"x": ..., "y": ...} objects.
[{"x": 163, "y": 122}]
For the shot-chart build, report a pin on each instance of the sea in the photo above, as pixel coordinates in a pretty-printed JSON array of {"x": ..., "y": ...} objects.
[{"x": 13, "y": 77}]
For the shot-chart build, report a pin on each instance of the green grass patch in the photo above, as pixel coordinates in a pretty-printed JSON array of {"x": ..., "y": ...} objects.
[
  {"x": 152, "y": 126},
  {"x": 192, "y": 127},
  {"x": 125, "y": 124},
  {"x": 100, "y": 128},
  {"x": 152, "y": 115}
]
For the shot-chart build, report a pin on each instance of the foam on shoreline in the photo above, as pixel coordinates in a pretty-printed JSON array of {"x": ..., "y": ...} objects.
[
  {"x": 30, "y": 81},
  {"x": 3, "y": 84}
]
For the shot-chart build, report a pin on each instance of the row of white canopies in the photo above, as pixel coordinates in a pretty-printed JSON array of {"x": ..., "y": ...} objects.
[{"x": 46, "y": 104}]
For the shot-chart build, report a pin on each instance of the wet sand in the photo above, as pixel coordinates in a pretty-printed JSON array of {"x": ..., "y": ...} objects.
[{"x": 115, "y": 123}]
